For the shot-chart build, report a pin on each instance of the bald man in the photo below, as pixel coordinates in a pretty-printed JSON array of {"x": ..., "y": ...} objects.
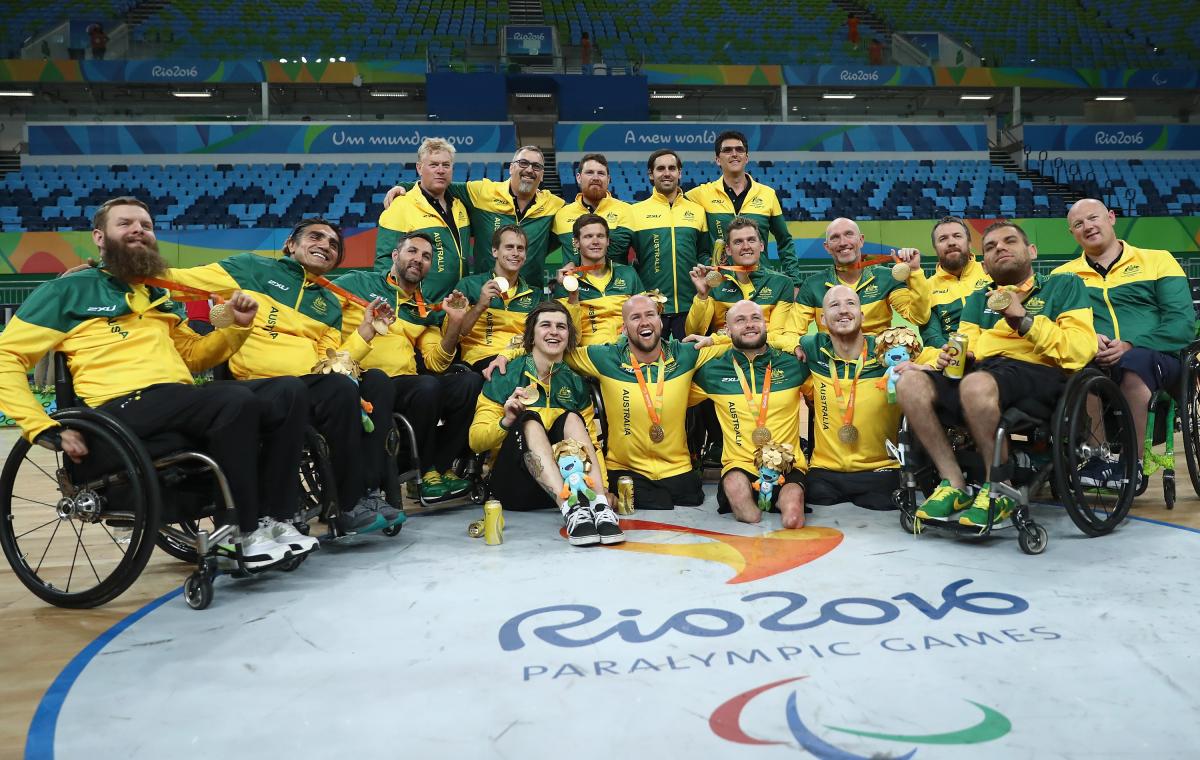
[
  {"x": 646, "y": 439},
  {"x": 852, "y": 416},
  {"x": 745, "y": 402},
  {"x": 1142, "y": 311},
  {"x": 880, "y": 294}
]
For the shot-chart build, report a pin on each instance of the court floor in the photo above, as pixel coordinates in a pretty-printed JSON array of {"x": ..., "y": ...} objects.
[{"x": 698, "y": 636}]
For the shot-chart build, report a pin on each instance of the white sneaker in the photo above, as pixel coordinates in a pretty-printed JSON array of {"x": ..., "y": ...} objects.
[
  {"x": 260, "y": 548},
  {"x": 286, "y": 533}
]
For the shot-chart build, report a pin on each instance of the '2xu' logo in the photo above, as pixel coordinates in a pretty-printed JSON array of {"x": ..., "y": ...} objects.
[{"x": 709, "y": 622}]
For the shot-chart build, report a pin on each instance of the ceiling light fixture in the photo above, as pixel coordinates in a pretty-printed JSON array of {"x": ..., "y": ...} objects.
[{"x": 838, "y": 96}]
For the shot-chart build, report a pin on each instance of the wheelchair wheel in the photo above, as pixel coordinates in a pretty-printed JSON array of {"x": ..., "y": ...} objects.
[
  {"x": 73, "y": 540},
  {"x": 392, "y": 530},
  {"x": 180, "y": 550},
  {"x": 1033, "y": 539},
  {"x": 198, "y": 591},
  {"x": 317, "y": 480},
  {"x": 910, "y": 523},
  {"x": 1095, "y": 511},
  {"x": 1189, "y": 413}
]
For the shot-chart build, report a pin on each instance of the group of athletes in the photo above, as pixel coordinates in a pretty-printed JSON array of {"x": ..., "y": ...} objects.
[{"x": 696, "y": 320}]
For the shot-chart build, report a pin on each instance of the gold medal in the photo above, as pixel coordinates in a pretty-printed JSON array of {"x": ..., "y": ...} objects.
[
  {"x": 475, "y": 529},
  {"x": 656, "y": 433},
  {"x": 901, "y": 272},
  {"x": 502, "y": 284},
  {"x": 381, "y": 326},
  {"x": 848, "y": 434},
  {"x": 529, "y": 394},
  {"x": 220, "y": 316},
  {"x": 515, "y": 341},
  {"x": 999, "y": 300},
  {"x": 761, "y": 436},
  {"x": 570, "y": 283},
  {"x": 458, "y": 301},
  {"x": 713, "y": 278}
]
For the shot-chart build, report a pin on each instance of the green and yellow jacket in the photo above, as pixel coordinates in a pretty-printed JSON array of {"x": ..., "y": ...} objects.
[
  {"x": 760, "y": 204},
  {"x": 1062, "y": 334},
  {"x": 501, "y": 327},
  {"x": 770, "y": 290},
  {"x": 490, "y": 206},
  {"x": 615, "y": 212},
  {"x": 297, "y": 320},
  {"x": 879, "y": 292},
  {"x": 395, "y": 352},
  {"x": 947, "y": 295},
  {"x": 670, "y": 239},
  {"x": 1144, "y": 299},
  {"x": 412, "y": 212},
  {"x": 117, "y": 337},
  {"x": 601, "y": 296},
  {"x": 718, "y": 381}
]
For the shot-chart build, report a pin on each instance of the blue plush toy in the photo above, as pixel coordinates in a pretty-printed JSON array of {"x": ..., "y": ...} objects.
[
  {"x": 893, "y": 347},
  {"x": 773, "y": 461},
  {"x": 572, "y": 465}
]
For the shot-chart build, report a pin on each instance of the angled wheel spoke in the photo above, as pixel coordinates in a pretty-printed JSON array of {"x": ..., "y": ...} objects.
[
  {"x": 31, "y": 530},
  {"x": 47, "y": 549}
]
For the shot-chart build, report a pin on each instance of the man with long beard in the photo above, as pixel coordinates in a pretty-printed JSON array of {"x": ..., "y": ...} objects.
[
  {"x": 1021, "y": 345},
  {"x": 757, "y": 393},
  {"x": 593, "y": 179},
  {"x": 132, "y": 355},
  {"x": 958, "y": 275}
]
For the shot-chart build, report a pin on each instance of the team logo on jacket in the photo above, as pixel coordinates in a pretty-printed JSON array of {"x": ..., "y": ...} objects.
[
  {"x": 1131, "y": 270},
  {"x": 688, "y": 216},
  {"x": 871, "y": 291},
  {"x": 756, "y": 203},
  {"x": 564, "y": 394},
  {"x": 1035, "y": 305},
  {"x": 320, "y": 305},
  {"x": 766, "y": 292}
]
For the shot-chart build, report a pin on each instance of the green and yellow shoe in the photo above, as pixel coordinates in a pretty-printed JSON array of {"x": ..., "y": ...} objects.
[
  {"x": 977, "y": 515},
  {"x": 453, "y": 483},
  {"x": 943, "y": 502},
  {"x": 432, "y": 485}
]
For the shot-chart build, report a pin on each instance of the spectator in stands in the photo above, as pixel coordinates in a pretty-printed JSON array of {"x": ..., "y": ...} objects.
[
  {"x": 491, "y": 205},
  {"x": 749, "y": 281},
  {"x": 300, "y": 320},
  {"x": 132, "y": 355},
  {"x": 585, "y": 53},
  {"x": 669, "y": 238},
  {"x": 755, "y": 387},
  {"x": 501, "y": 300},
  {"x": 852, "y": 30},
  {"x": 1022, "y": 351},
  {"x": 852, "y": 417},
  {"x": 99, "y": 41},
  {"x": 875, "y": 52},
  {"x": 880, "y": 294},
  {"x": 593, "y": 178},
  {"x": 1143, "y": 315},
  {"x": 735, "y": 193},
  {"x": 646, "y": 438},
  {"x": 521, "y": 414},
  {"x": 958, "y": 275},
  {"x": 432, "y": 330},
  {"x": 433, "y": 212},
  {"x": 603, "y": 286}
]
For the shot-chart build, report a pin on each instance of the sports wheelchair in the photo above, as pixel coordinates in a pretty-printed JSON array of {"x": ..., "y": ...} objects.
[
  {"x": 1047, "y": 447},
  {"x": 111, "y": 510},
  {"x": 1165, "y": 409}
]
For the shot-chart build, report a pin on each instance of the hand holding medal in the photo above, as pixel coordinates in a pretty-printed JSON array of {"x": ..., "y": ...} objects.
[
  {"x": 714, "y": 277},
  {"x": 907, "y": 261}
]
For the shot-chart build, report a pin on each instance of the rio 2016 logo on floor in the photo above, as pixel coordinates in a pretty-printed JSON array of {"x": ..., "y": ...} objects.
[{"x": 725, "y": 722}]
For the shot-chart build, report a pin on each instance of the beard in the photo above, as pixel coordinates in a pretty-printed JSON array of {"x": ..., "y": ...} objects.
[
  {"x": 525, "y": 186},
  {"x": 645, "y": 344},
  {"x": 594, "y": 194},
  {"x": 752, "y": 344},
  {"x": 128, "y": 264}
]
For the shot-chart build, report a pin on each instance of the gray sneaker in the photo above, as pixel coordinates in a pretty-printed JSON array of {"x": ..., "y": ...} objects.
[
  {"x": 364, "y": 518},
  {"x": 390, "y": 514}
]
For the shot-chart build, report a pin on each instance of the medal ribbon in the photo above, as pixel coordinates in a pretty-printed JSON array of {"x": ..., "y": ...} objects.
[
  {"x": 324, "y": 282},
  {"x": 169, "y": 285},
  {"x": 766, "y": 391},
  {"x": 537, "y": 381},
  {"x": 867, "y": 261},
  {"x": 422, "y": 309},
  {"x": 848, "y": 415},
  {"x": 1018, "y": 290},
  {"x": 654, "y": 409}
]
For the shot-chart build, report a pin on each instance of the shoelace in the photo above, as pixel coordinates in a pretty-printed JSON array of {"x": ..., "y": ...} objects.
[
  {"x": 577, "y": 516},
  {"x": 607, "y": 515}
]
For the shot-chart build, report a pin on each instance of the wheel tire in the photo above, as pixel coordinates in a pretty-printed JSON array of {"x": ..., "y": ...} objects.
[
  {"x": 291, "y": 563},
  {"x": 198, "y": 591},
  {"x": 24, "y": 546},
  {"x": 479, "y": 492},
  {"x": 910, "y": 523},
  {"x": 1071, "y": 430},
  {"x": 1189, "y": 412},
  {"x": 181, "y": 551},
  {"x": 1169, "y": 490},
  {"x": 392, "y": 530},
  {"x": 1033, "y": 539},
  {"x": 317, "y": 479}
]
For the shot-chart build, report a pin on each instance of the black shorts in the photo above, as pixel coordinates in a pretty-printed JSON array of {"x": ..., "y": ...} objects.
[
  {"x": 872, "y": 489},
  {"x": 684, "y": 489},
  {"x": 794, "y": 476},
  {"x": 510, "y": 481},
  {"x": 1016, "y": 380},
  {"x": 1157, "y": 370}
]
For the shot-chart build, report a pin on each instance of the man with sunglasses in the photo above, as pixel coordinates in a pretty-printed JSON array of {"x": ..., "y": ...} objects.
[
  {"x": 736, "y": 194},
  {"x": 492, "y": 205}
]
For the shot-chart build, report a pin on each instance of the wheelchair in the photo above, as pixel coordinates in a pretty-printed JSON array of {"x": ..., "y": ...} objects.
[
  {"x": 1166, "y": 409},
  {"x": 112, "y": 510},
  {"x": 1047, "y": 448}
]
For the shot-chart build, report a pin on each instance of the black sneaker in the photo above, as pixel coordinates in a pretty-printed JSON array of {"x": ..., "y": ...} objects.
[
  {"x": 608, "y": 526},
  {"x": 1098, "y": 472},
  {"x": 581, "y": 526}
]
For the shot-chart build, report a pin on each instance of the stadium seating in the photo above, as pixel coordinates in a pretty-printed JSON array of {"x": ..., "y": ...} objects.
[
  {"x": 23, "y": 21},
  {"x": 1136, "y": 187},
  {"x": 1171, "y": 25}
]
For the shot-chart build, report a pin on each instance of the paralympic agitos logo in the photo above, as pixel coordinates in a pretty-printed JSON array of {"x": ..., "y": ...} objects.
[{"x": 726, "y": 722}]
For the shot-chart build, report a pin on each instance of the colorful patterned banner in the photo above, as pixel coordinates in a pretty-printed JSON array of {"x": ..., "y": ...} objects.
[
  {"x": 370, "y": 72},
  {"x": 260, "y": 139},
  {"x": 699, "y": 136},
  {"x": 1122, "y": 138},
  {"x": 213, "y": 72}
]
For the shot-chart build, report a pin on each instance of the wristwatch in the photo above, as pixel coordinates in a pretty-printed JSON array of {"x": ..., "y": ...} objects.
[{"x": 1025, "y": 325}]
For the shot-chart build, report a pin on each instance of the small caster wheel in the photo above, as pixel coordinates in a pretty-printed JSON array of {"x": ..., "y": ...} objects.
[
  {"x": 291, "y": 563},
  {"x": 1168, "y": 490},
  {"x": 303, "y": 528},
  {"x": 197, "y": 591},
  {"x": 479, "y": 493},
  {"x": 1033, "y": 539},
  {"x": 393, "y": 530},
  {"x": 909, "y": 522}
]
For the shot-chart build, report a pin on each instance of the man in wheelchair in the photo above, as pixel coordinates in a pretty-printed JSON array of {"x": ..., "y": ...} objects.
[
  {"x": 1024, "y": 335},
  {"x": 1142, "y": 304},
  {"x": 132, "y": 355}
]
